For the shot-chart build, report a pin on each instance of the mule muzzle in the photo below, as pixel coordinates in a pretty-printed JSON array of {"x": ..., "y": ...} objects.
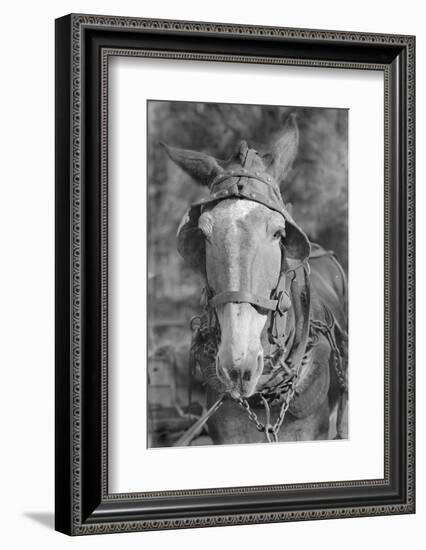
[{"x": 240, "y": 375}]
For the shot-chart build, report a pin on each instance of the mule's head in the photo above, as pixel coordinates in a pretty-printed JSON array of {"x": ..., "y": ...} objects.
[
  {"x": 240, "y": 248},
  {"x": 242, "y": 252}
]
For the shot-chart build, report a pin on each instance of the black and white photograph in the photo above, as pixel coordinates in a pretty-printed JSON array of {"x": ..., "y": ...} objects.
[
  {"x": 247, "y": 259},
  {"x": 234, "y": 305},
  {"x": 209, "y": 278}
]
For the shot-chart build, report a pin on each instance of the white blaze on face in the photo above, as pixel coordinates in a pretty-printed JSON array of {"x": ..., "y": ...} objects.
[{"x": 236, "y": 214}]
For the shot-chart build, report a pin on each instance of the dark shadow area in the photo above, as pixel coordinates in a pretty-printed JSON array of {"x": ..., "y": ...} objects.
[{"x": 47, "y": 519}]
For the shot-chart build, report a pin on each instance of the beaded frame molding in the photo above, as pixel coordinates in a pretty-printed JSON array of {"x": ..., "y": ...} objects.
[{"x": 84, "y": 44}]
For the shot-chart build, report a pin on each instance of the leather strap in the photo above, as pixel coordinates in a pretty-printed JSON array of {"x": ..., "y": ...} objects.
[
  {"x": 233, "y": 190},
  {"x": 242, "y": 173},
  {"x": 279, "y": 305},
  {"x": 243, "y": 296}
]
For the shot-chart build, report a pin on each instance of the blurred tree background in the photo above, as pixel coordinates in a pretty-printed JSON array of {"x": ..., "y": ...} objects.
[{"x": 317, "y": 188}]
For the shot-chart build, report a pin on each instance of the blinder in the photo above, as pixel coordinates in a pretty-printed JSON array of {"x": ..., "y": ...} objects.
[{"x": 242, "y": 184}]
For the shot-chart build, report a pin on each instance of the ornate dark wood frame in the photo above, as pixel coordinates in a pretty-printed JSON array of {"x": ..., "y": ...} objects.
[{"x": 83, "y": 45}]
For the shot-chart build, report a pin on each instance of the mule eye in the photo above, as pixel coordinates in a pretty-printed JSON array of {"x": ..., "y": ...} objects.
[{"x": 279, "y": 234}]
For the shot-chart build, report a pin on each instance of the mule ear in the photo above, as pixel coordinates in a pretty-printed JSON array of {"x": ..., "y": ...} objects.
[
  {"x": 203, "y": 168},
  {"x": 284, "y": 150}
]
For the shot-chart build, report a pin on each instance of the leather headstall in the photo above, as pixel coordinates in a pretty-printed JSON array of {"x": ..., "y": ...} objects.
[{"x": 280, "y": 300}]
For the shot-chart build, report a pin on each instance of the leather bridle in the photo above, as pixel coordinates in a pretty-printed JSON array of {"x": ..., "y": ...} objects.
[
  {"x": 280, "y": 301},
  {"x": 289, "y": 337},
  {"x": 288, "y": 361}
]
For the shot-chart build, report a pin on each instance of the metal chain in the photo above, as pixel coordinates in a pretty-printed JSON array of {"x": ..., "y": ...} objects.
[
  {"x": 205, "y": 338},
  {"x": 271, "y": 431},
  {"x": 284, "y": 408},
  {"x": 204, "y": 342},
  {"x": 251, "y": 414}
]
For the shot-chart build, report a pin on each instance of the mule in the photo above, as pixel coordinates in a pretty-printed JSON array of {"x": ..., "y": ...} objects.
[{"x": 273, "y": 334}]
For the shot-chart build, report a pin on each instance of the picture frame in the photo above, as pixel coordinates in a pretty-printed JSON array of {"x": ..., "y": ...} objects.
[{"x": 84, "y": 44}]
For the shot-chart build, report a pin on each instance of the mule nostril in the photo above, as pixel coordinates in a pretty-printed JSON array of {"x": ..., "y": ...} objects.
[
  {"x": 233, "y": 375},
  {"x": 247, "y": 376}
]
